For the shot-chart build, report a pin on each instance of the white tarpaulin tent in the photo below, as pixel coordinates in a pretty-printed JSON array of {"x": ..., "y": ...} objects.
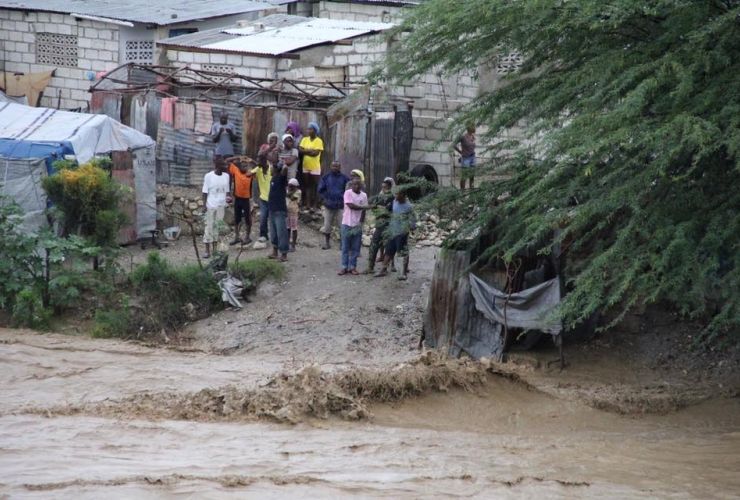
[
  {"x": 32, "y": 138},
  {"x": 88, "y": 134}
]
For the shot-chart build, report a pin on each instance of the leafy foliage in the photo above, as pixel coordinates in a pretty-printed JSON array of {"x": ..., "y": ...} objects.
[
  {"x": 629, "y": 156},
  {"x": 170, "y": 296},
  {"x": 27, "y": 258},
  {"x": 113, "y": 322},
  {"x": 19, "y": 262},
  {"x": 254, "y": 271}
]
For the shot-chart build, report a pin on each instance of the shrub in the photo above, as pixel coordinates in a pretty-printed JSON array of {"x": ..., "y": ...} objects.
[
  {"x": 253, "y": 271},
  {"x": 170, "y": 296},
  {"x": 113, "y": 323},
  {"x": 20, "y": 265},
  {"x": 29, "y": 311}
]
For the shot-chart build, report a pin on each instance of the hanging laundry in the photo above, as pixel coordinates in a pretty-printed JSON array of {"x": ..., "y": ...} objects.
[
  {"x": 139, "y": 108},
  {"x": 167, "y": 110},
  {"x": 203, "y": 117},
  {"x": 31, "y": 85},
  {"x": 184, "y": 116}
]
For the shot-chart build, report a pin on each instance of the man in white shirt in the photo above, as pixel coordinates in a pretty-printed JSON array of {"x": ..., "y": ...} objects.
[{"x": 215, "y": 197}]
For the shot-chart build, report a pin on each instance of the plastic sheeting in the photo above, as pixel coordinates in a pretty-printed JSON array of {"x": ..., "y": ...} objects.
[
  {"x": 145, "y": 182},
  {"x": 530, "y": 309},
  {"x": 88, "y": 134},
  {"x": 20, "y": 181}
]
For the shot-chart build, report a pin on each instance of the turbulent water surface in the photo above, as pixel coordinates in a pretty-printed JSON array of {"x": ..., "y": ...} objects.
[{"x": 506, "y": 441}]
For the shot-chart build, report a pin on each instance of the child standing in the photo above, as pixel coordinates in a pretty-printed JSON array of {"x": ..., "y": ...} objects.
[{"x": 294, "y": 203}]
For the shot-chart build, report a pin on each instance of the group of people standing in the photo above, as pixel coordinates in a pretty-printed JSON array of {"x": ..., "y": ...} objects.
[{"x": 279, "y": 190}]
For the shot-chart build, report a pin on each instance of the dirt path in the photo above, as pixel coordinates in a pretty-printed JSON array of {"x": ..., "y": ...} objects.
[
  {"x": 504, "y": 439},
  {"x": 313, "y": 315}
]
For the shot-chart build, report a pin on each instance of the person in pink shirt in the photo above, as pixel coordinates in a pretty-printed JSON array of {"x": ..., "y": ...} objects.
[{"x": 355, "y": 203}]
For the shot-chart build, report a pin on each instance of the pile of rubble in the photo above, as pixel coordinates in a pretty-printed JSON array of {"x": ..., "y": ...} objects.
[
  {"x": 183, "y": 206},
  {"x": 430, "y": 231}
]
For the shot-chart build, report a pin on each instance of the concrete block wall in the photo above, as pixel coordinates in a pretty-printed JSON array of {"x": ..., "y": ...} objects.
[
  {"x": 435, "y": 98},
  {"x": 98, "y": 50},
  {"x": 252, "y": 66},
  {"x": 357, "y": 12}
]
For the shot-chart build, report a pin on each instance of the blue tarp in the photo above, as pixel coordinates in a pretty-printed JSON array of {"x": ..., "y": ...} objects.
[{"x": 49, "y": 151}]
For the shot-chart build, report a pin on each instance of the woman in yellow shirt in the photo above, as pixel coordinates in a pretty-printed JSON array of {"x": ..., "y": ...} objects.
[{"x": 311, "y": 146}]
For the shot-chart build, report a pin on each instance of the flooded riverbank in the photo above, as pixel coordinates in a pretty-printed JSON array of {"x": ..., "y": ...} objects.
[{"x": 504, "y": 440}]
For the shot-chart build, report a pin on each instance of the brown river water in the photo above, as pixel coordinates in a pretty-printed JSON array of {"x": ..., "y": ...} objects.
[{"x": 503, "y": 441}]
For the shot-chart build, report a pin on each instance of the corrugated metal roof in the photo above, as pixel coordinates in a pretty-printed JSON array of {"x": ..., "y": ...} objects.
[
  {"x": 277, "y": 34},
  {"x": 160, "y": 12}
]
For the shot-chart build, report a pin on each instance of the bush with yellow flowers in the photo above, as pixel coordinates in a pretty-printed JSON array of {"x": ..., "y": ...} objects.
[{"x": 86, "y": 200}]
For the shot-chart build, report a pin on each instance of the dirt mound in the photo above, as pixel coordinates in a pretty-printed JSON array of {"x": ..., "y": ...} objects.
[{"x": 293, "y": 397}]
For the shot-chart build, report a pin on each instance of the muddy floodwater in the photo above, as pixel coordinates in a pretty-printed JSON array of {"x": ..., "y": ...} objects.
[
  {"x": 84, "y": 418},
  {"x": 504, "y": 440}
]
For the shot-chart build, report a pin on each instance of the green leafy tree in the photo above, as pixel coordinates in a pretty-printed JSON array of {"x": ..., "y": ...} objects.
[{"x": 632, "y": 133}]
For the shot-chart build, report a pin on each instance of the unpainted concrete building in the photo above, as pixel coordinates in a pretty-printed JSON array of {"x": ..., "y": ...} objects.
[
  {"x": 321, "y": 50},
  {"x": 81, "y": 39}
]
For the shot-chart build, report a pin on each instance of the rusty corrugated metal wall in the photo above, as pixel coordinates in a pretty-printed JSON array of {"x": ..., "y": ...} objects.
[
  {"x": 382, "y": 154},
  {"x": 451, "y": 321},
  {"x": 184, "y": 156},
  {"x": 351, "y": 134},
  {"x": 263, "y": 120}
]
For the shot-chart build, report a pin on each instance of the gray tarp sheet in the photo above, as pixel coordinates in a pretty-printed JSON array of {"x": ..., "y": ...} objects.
[
  {"x": 145, "y": 185},
  {"x": 20, "y": 180},
  {"x": 529, "y": 309}
]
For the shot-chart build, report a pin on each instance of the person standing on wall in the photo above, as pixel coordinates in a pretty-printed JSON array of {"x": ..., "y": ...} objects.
[
  {"x": 311, "y": 146},
  {"x": 215, "y": 197},
  {"x": 223, "y": 135},
  {"x": 467, "y": 156}
]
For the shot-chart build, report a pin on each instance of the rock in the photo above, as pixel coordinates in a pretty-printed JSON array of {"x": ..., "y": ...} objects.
[
  {"x": 433, "y": 219},
  {"x": 426, "y": 243},
  {"x": 169, "y": 199},
  {"x": 193, "y": 205},
  {"x": 183, "y": 200},
  {"x": 438, "y": 242},
  {"x": 200, "y": 202},
  {"x": 259, "y": 245},
  {"x": 366, "y": 240}
]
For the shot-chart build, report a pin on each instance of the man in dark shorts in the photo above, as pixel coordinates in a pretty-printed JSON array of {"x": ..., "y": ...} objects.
[
  {"x": 241, "y": 189},
  {"x": 401, "y": 223}
]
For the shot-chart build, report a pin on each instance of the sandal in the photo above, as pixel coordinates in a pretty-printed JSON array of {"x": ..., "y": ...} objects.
[
  {"x": 381, "y": 273},
  {"x": 342, "y": 272},
  {"x": 354, "y": 272}
]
